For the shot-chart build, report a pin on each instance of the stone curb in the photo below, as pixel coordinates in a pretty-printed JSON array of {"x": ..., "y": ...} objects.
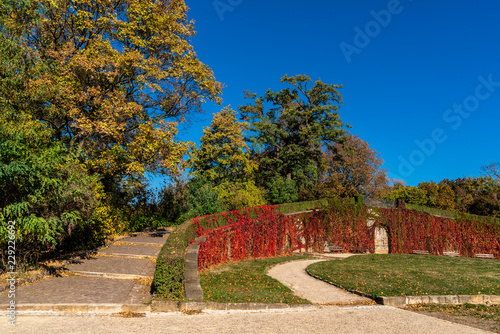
[
  {"x": 414, "y": 300},
  {"x": 159, "y": 306},
  {"x": 155, "y": 306},
  {"x": 445, "y": 299},
  {"x": 110, "y": 275},
  {"x": 192, "y": 286}
]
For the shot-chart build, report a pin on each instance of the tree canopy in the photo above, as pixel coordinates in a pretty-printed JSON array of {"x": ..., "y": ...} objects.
[
  {"x": 224, "y": 163},
  {"x": 354, "y": 168},
  {"x": 119, "y": 75},
  {"x": 222, "y": 156},
  {"x": 289, "y": 127}
]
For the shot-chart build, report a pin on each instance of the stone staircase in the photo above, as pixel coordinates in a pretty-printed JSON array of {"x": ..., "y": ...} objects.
[{"x": 121, "y": 273}]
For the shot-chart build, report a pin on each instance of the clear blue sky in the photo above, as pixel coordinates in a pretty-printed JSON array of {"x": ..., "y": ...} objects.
[{"x": 412, "y": 70}]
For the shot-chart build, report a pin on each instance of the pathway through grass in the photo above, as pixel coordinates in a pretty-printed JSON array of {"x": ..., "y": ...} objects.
[
  {"x": 412, "y": 275},
  {"x": 246, "y": 281}
]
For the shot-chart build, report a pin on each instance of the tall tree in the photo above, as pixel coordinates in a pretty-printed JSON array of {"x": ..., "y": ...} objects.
[
  {"x": 289, "y": 128},
  {"x": 121, "y": 73},
  {"x": 222, "y": 156},
  {"x": 223, "y": 162},
  {"x": 354, "y": 168}
]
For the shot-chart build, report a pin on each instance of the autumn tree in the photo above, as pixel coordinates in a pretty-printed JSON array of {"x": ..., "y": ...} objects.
[
  {"x": 288, "y": 129},
  {"x": 121, "y": 74},
  {"x": 223, "y": 155},
  {"x": 223, "y": 161},
  {"x": 354, "y": 168}
]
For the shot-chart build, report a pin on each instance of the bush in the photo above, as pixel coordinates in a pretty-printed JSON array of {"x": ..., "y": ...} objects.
[
  {"x": 169, "y": 277},
  {"x": 281, "y": 190},
  {"x": 240, "y": 195},
  {"x": 142, "y": 222},
  {"x": 169, "y": 274},
  {"x": 42, "y": 188}
]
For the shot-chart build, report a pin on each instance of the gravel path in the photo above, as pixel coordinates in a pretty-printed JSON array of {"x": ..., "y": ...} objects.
[
  {"x": 293, "y": 275},
  {"x": 331, "y": 319}
]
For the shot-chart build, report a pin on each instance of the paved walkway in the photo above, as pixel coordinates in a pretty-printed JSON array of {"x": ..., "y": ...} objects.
[
  {"x": 121, "y": 273},
  {"x": 331, "y": 319},
  {"x": 293, "y": 275}
]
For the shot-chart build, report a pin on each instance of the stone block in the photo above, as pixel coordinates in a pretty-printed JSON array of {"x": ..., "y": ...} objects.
[
  {"x": 193, "y": 291},
  {"x": 495, "y": 299},
  {"x": 164, "y": 306},
  {"x": 193, "y": 306},
  {"x": 414, "y": 300},
  {"x": 246, "y": 306},
  {"x": 75, "y": 308},
  {"x": 216, "y": 306},
  {"x": 391, "y": 301},
  {"x": 437, "y": 300},
  {"x": 136, "y": 308},
  {"x": 277, "y": 306},
  {"x": 452, "y": 299}
]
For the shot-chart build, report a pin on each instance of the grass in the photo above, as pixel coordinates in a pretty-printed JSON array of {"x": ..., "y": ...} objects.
[
  {"x": 488, "y": 312},
  {"x": 247, "y": 282},
  {"x": 412, "y": 275},
  {"x": 487, "y": 316}
]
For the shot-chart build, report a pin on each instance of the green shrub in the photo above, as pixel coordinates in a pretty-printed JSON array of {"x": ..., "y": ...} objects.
[
  {"x": 169, "y": 277},
  {"x": 143, "y": 222},
  {"x": 281, "y": 191},
  {"x": 169, "y": 274}
]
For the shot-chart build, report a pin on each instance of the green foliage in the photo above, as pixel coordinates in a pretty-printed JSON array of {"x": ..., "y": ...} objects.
[
  {"x": 359, "y": 199},
  {"x": 42, "y": 188},
  {"x": 221, "y": 157},
  {"x": 169, "y": 274},
  {"x": 240, "y": 195},
  {"x": 281, "y": 190},
  {"x": 169, "y": 277},
  {"x": 222, "y": 169},
  {"x": 173, "y": 202},
  {"x": 302, "y": 206},
  {"x": 289, "y": 128},
  {"x": 203, "y": 198},
  {"x": 110, "y": 77},
  {"x": 411, "y": 195},
  {"x": 471, "y": 195},
  {"x": 143, "y": 222}
]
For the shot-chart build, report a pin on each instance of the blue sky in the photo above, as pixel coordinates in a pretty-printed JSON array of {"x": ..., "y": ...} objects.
[{"x": 421, "y": 78}]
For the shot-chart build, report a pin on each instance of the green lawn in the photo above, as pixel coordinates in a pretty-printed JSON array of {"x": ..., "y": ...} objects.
[
  {"x": 246, "y": 281},
  {"x": 412, "y": 275}
]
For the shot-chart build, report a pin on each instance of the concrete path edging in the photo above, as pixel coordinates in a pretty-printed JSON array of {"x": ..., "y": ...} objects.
[
  {"x": 445, "y": 299},
  {"x": 155, "y": 306},
  {"x": 160, "y": 306}
]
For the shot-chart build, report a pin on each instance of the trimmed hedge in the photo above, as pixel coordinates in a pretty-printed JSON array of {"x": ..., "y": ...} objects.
[{"x": 168, "y": 280}]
